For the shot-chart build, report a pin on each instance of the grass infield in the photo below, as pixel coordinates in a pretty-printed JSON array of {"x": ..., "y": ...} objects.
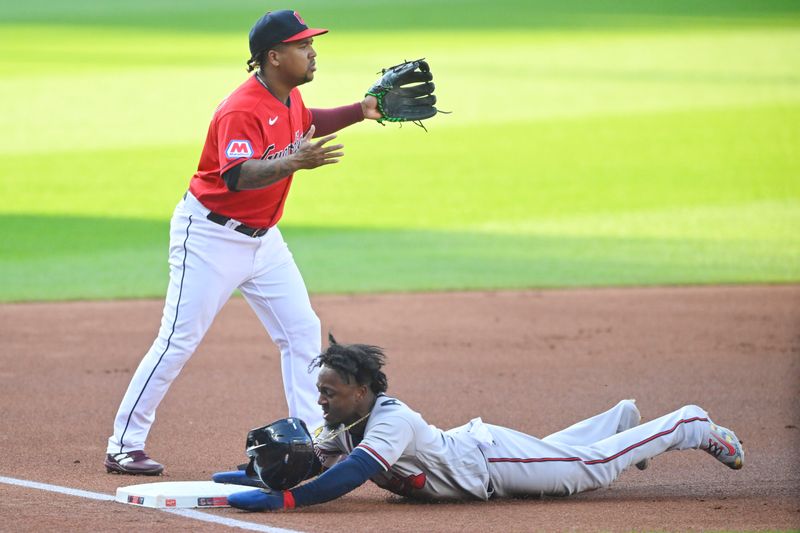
[{"x": 611, "y": 146}]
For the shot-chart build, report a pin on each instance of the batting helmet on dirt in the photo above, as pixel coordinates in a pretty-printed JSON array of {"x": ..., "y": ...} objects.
[{"x": 281, "y": 453}]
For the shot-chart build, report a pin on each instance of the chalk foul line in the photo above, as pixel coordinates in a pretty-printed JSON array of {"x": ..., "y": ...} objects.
[{"x": 186, "y": 513}]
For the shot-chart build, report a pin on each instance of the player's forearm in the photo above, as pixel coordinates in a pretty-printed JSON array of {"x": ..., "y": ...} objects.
[
  {"x": 328, "y": 121},
  {"x": 258, "y": 173},
  {"x": 335, "y": 482}
]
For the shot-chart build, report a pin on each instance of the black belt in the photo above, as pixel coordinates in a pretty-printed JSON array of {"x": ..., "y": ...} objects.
[{"x": 222, "y": 220}]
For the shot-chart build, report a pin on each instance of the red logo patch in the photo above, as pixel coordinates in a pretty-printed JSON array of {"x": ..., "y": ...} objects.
[
  {"x": 239, "y": 148},
  {"x": 299, "y": 18}
]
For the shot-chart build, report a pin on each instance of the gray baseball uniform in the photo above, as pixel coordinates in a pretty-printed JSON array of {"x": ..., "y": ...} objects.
[{"x": 478, "y": 460}]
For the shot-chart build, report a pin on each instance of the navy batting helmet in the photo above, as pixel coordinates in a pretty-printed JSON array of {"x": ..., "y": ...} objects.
[{"x": 281, "y": 454}]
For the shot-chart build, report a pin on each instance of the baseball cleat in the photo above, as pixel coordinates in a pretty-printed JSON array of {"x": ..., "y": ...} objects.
[
  {"x": 723, "y": 444},
  {"x": 135, "y": 463},
  {"x": 237, "y": 477}
]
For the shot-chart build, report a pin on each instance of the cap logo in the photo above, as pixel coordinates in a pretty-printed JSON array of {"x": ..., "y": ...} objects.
[
  {"x": 299, "y": 18},
  {"x": 238, "y": 148}
]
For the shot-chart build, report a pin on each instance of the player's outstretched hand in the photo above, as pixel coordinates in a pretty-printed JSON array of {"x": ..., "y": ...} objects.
[
  {"x": 313, "y": 154},
  {"x": 257, "y": 500}
]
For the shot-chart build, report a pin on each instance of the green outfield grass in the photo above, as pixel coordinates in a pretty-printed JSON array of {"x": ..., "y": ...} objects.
[{"x": 613, "y": 146}]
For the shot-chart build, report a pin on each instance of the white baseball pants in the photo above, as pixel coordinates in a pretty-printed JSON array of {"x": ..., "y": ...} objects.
[
  {"x": 590, "y": 454},
  {"x": 207, "y": 263}
]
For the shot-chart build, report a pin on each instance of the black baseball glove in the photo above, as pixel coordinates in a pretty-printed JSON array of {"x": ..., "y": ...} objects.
[{"x": 405, "y": 92}]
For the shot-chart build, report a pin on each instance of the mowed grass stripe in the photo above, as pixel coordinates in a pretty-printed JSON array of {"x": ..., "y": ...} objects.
[
  {"x": 129, "y": 260},
  {"x": 127, "y": 93},
  {"x": 462, "y": 177},
  {"x": 212, "y": 16}
]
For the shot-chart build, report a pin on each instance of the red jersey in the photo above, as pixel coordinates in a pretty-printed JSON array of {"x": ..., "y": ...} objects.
[{"x": 249, "y": 124}]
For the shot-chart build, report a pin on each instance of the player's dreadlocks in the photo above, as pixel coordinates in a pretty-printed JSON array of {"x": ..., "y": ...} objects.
[
  {"x": 257, "y": 61},
  {"x": 362, "y": 361}
]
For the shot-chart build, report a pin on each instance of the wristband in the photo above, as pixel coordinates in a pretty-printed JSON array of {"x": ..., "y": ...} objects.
[{"x": 288, "y": 499}]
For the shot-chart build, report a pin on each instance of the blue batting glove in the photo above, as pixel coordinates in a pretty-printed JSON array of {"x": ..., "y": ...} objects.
[
  {"x": 256, "y": 500},
  {"x": 237, "y": 477}
]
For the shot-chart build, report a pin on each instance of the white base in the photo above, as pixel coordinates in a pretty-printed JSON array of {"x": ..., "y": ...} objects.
[{"x": 179, "y": 494}]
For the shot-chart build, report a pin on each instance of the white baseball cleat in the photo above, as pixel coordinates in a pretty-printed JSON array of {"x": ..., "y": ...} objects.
[{"x": 722, "y": 443}]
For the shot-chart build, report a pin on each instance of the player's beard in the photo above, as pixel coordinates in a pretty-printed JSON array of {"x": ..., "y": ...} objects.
[{"x": 309, "y": 76}]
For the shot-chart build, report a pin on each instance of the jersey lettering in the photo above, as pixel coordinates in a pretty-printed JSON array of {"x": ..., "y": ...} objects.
[
  {"x": 269, "y": 149},
  {"x": 239, "y": 148},
  {"x": 289, "y": 150},
  {"x": 390, "y": 402}
]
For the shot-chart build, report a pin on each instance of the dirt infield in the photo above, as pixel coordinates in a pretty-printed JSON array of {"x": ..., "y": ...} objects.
[{"x": 536, "y": 361}]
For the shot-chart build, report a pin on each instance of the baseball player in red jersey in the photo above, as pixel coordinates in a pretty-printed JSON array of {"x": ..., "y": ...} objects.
[{"x": 223, "y": 233}]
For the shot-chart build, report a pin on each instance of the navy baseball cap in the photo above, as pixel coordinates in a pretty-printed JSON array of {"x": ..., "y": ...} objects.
[{"x": 284, "y": 26}]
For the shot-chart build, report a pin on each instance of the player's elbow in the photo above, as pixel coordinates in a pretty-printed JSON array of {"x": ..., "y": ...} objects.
[{"x": 231, "y": 178}]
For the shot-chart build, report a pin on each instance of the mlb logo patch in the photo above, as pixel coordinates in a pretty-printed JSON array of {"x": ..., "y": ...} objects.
[{"x": 238, "y": 148}]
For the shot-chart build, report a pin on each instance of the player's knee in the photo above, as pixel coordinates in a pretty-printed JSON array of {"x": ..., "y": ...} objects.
[
  {"x": 691, "y": 410},
  {"x": 307, "y": 325},
  {"x": 300, "y": 333}
]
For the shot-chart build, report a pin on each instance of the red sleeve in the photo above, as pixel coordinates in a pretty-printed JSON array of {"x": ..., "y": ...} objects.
[
  {"x": 239, "y": 137},
  {"x": 328, "y": 121},
  {"x": 308, "y": 119}
]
